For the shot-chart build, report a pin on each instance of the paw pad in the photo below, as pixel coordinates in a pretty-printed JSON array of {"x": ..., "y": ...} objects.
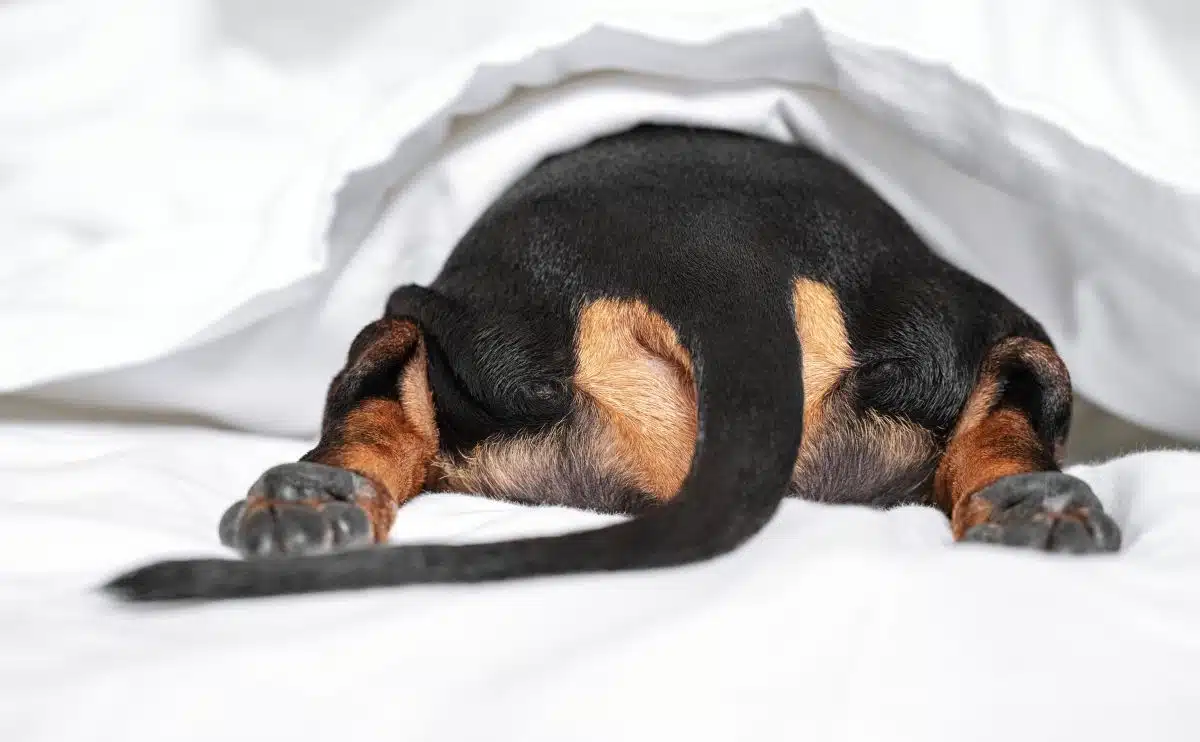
[
  {"x": 297, "y": 509},
  {"x": 1049, "y": 511}
]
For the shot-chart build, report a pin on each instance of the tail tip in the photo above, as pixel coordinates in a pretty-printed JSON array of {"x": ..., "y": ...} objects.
[{"x": 161, "y": 581}]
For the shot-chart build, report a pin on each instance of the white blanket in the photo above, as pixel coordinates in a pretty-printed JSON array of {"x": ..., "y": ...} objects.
[
  {"x": 201, "y": 201},
  {"x": 262, "y": 174}
]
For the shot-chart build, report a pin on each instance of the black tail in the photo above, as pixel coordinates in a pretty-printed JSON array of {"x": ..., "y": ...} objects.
[{"x": 750, "y": 407}]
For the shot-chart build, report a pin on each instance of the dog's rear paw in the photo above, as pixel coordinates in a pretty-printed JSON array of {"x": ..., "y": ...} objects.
[
  {"x": 300, "y": 508},
  {"x": 1049, "y": 511}
]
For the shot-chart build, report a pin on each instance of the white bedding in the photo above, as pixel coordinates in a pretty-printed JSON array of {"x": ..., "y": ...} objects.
[
  {"x": 837, "y": 623},
  {"x": 201, "y": 201},
  {"x": 263, "y": 174}
]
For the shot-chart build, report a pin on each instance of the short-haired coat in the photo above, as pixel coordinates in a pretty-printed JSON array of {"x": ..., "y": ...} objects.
[{"x": 681, "y": 324}]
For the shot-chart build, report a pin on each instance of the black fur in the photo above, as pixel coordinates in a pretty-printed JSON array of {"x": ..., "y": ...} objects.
[{"x": 710, "y": 229}]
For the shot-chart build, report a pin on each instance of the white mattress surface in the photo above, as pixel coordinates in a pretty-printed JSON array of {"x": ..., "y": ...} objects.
[{"x": 837, "y": 623}]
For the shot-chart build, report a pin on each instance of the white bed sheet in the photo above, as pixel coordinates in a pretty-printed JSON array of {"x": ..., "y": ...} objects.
[{"x": 837, "y": 623}]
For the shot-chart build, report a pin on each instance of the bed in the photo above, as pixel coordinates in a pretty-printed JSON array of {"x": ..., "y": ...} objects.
[{"x": 209, "y": 198}]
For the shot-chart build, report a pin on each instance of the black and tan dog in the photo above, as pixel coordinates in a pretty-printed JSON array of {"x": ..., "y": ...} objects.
[{"x": 684, "y": 325}]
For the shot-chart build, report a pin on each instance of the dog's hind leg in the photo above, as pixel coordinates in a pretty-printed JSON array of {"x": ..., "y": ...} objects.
[
  {"x": 999, "y": 479},
  {"x": 378, "y": 437}
]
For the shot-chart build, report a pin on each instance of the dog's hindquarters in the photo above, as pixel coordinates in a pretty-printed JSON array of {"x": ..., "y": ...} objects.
[
  {"x": 750, "y": 405},
  {"x": 710, "y": 230}
]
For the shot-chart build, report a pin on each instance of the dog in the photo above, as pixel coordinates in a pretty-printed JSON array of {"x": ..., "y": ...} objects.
[{"x": 684, "y": 325}]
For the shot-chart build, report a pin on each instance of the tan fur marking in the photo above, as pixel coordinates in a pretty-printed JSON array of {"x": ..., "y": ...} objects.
[
  {"x": 824, "y": 345},
  {"x": 1002, "y": 445},
  {"x": 978, "y": 405},
  {"x": 510, "y": 466},
  {"x": 859, "y": 456},
  {"x": 630, "y": 365},
  {"x": 496, "y": 466},
  {"x": 987, "y": 443},
  {"x": 390, "y": 442},
  {"x": 417, "y": 397},
  {"x": 903, "y": 443}
]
